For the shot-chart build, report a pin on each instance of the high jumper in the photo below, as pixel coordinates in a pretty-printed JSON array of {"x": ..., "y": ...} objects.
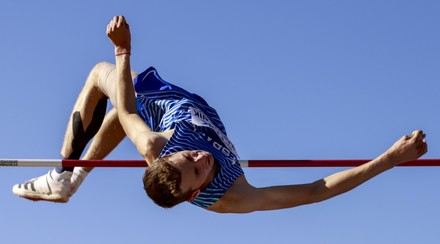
[{"x": 188, "y": 154}]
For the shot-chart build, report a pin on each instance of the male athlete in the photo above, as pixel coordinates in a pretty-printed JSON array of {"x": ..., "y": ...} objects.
[{"x": 183, "y": 142}]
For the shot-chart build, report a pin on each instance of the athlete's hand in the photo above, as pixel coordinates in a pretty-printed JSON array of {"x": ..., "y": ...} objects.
[
  {"x": 119, "y": 33},
  {"x": 408, "y": 148}
]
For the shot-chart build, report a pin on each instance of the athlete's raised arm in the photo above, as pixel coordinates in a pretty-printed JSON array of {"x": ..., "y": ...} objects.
[
  {"x": 147, "y": 142},
  {"x": 242, "y": 197}
]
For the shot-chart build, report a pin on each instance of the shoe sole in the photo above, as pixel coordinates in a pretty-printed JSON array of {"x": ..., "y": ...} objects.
[{"x": 35, "y": 196}]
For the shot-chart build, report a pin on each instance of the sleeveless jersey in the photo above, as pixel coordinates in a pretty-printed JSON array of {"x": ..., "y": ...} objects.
[{"x": 196, "y": 125}]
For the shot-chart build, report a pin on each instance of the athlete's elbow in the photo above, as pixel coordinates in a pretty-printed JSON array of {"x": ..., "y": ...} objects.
[
  {"x": 152, "y": 147},
  {"x": 318, "y": 192}
]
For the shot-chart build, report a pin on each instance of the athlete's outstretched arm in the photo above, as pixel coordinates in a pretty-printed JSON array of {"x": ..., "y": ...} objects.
[
  {"x": 243, "y": 198},
  {"x": 148, "y": 143}
]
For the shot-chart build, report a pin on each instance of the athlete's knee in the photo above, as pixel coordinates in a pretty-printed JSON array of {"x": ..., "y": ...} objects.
[
  {"x": 103, "y": 66},
  {"x": 102, "y": 70},
  {"x": 94, "y": 73},
  {"x": 99, "y": 76}
]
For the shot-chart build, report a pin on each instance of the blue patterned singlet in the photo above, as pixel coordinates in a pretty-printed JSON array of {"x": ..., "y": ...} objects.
[{"x": 196, "y": 125}]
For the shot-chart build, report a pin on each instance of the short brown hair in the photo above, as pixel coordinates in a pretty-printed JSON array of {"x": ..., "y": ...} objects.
[{"x": 162, "y": 184}]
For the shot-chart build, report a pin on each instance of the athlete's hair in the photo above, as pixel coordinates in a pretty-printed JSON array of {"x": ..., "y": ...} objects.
[{"x": 162, "y": 184}]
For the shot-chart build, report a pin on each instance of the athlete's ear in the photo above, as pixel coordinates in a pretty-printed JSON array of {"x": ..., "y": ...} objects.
[{"x": 194, "y": 195}]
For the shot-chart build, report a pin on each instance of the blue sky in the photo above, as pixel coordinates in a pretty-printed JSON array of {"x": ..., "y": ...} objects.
[{"x": 290, "y": 79}]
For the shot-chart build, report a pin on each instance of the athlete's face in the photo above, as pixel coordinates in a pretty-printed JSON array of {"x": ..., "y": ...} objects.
[{"x": 197, "y": 169}]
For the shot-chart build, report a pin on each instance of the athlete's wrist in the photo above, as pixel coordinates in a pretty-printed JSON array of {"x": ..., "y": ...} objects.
[{"x": 122, "y": 51}]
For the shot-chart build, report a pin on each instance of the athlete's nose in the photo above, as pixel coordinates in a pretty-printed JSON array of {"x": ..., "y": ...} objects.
[
  {"x": 199, "y": 157},
  {"x": 194, "y": 154}
]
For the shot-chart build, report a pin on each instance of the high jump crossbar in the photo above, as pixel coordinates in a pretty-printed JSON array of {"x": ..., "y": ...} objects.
[{"x": 243, "y": 163}]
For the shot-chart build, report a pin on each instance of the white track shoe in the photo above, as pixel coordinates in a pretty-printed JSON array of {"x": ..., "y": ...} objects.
[{"x": 51, "y": 187}]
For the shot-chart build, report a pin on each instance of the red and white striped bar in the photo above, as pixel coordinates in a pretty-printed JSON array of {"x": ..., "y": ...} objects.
[{"x": 243, "y": 163}]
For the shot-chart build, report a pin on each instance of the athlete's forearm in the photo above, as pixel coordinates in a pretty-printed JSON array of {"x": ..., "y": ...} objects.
[
  {"x": 126, "y": 100},
  {"x": 406, "y": 149},
  {"x": 347, "y": 180},
  {"x": 125, "y": 95},
  {"x": 287, "y": 196}
]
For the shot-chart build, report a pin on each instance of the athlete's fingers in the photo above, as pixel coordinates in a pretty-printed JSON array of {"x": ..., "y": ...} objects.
[
  {"x": 417, "y": 135},
  {"x": 423, "y": 148},
  {"x": 114, "y": 23},
  {"x": 107, "y": 31},
  {"x": 117, "y": 21},
  {"x": 110, "y": 26},
  {"x": 123, "y": 21},
  {"x": 120, "y": 21}
]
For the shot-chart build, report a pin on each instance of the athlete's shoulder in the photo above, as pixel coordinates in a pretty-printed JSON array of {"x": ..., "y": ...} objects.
[{"x": 230, "y": 202}]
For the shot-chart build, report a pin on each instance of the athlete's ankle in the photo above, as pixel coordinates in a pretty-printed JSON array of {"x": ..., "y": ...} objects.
[
  {"x": 61, "y": 170},
  {"x": 64, "y": 175}
]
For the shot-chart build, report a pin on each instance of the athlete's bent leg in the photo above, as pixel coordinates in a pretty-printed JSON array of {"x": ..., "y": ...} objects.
[
  {"x": 87, "y": 117},
  {"x": 111, "y": 132}
]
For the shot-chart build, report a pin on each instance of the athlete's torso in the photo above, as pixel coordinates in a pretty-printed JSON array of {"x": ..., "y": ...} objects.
[{"x": 192, "y": 124}]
